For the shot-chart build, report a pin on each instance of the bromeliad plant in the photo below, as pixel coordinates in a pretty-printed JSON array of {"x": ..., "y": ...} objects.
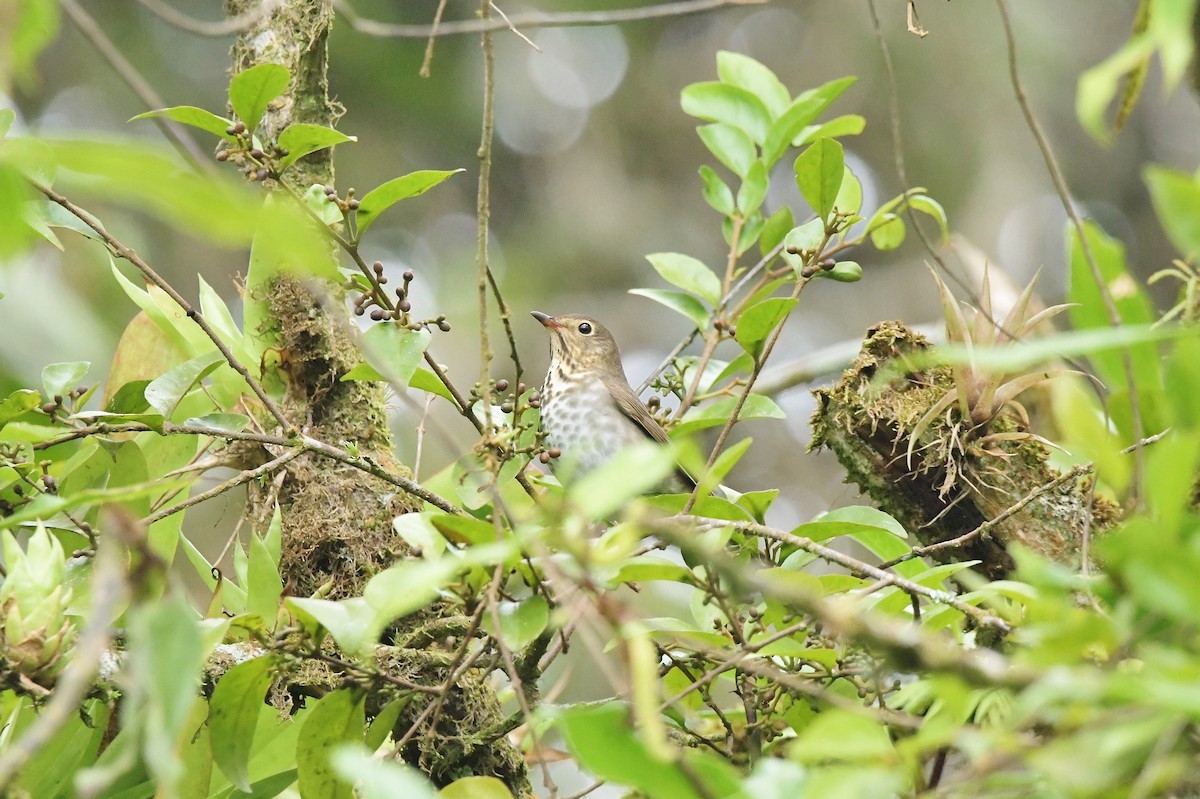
[{"x": 972, "y": 407}]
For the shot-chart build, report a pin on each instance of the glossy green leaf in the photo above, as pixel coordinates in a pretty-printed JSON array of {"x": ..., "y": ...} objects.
[
  {"x": 166, "y": 392},
  {"x": 756, "y": 322},
  {"x": 931, "y": 207},
  {"x": 681, "y": 303},
  {"x": 746, "y": 73},
  {"x": 730, "y": 145},
  {"x": 226, "y": 422},
  {"x": 888, "y": 233},
  {"x": 635, "y": 470},
  {"x": 18, "y": 403},
  {"x": 31, "y": 26},
  {"x": 846, "y": 125},
  {"x": 426, "y": 380},
  {"x": 235, "y": 709},
  {"x": 819, "y": 173},
  {"x": 648, "y": 568},
  {"x": 715, "y": 413},
  {"x": 775, "y": 228},
  {"x": 352, "y": 622},
  {"x": 301, "y": 139},
  {"x": 475, "y": 788},
  {"x": 379, "y": 779},
  {"x": 754, "y": 189},
  {"x": 716, "y": 193},
  {"x": 731, "y": 105},
  {"x": 849, "y": 197},
  {"x": 379, "y": 199},
  {"x": 58, "y": 379},
  {"x": 841, "y": 735},
  {"x": 337, "y": 718},
  {"x": 1176, "y": 197},
  {"x": 195, "y": 117},
  {"x": 688, "y": 274},
  {"x": 843, "y": 272},
  {"x": 393, "y": 353},
  {"x": 264, "y": 586},
  {"x": 520, "y": 622},
  {"x": 800, "y": 114},
  {"x": 253, "y": 89}
]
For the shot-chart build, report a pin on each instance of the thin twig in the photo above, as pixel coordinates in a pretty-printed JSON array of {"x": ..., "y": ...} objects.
[
  {"x": 483, "y": 211},
  {"x": 200, "y": 27},
  {"x": 536, "y": 20},
  {"x": 237, "y": 480},
  {"x": 132, "y": 257},
  {"x": 175, "y": 133},
  {"x": 513, "y": 28},
  {"x": 856, "y": 567},
  {"x": 1064, "y": 195},
  {"x": 427, "y": 62}
]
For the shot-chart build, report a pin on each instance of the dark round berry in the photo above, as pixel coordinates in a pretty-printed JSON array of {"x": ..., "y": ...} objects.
[
  {"x": 808, "y": 271},
  {"x": 49, "y": 407},
  {"x": 239, "y": 127},
  {"x": 554, "y": 452},
  {"x": 263, "y": 173},
  {"x": 231, "y": 130},
  {"x": 376, "y": 314},
  {"x": 222, "y": 156},
  {"x": 502, "y": 385},
  {"x": 408, "y": 275},
  {"x": 404, "y": 305},
  {"x": 828, "y": 264},
  {"x": 359, "y": 310},
  {"x": 257, "y": 154},
  {"x": 444, "y": 326},
  {"x": 58, "y": 399},
  {"x": 330, "y": 191},
  {"x": 520, "y": 388},
  {"x": 544, "y": 457},
  {"x": 378, "y": 267},
  {"x": 352, "y": 204},
  {"x": 506, "y": 407}
]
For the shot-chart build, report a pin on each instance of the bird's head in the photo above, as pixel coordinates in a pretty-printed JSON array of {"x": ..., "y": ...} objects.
[{"x": 580, "y": 343}]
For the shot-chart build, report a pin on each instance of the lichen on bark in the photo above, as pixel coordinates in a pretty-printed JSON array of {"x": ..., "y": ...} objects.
[{"x": 867, "y": 422}]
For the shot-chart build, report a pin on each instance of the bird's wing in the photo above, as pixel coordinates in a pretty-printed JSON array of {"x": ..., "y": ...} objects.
[{"x": 630, "y": 405}]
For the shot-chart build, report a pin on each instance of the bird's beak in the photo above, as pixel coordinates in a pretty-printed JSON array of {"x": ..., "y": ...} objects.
[{"x": 546, "y": 319}]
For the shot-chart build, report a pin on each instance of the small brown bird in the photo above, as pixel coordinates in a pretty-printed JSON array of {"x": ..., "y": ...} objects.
[{"x": 589, "y": 411}]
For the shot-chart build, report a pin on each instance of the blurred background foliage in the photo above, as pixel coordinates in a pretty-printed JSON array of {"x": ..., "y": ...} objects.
[{"x": 596, "y": 165}]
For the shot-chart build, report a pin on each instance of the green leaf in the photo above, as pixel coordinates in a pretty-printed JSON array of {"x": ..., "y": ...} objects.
[
  {"x": 716, "y": 193},
  {"x": 758, "y": 502},
  {"x": 754, "y": 189},
  {"x": 846, "y": 125},
  {"x": 264, "y": 586},
  {"x": 849, "y": 197},
  {"x": 756, "y": 323},
  {"x": 799, "y": 115},
  {"x": 475, "y": 788},
  {"x": 393, "y": 353},
  {"x": 165, "y": 652},
  {"x": 520, "y": 622},
  {"x": 34, "y": 27},
  {"x": 379, "y": 779},
  {"x": 930, "y": 206},
  {"x": 379, "y": 199},
  {"x": 301, "y": 139},
  {"x": 679, "y": 302},
  {"x": 647, "y": 568},
  {"x": 352, "y": 622},
  {"x": 337, "y": 718},
  {"x": 165, "y": 393},
  {"x": 889, "y": 232},
  {"x": 731, "y": 105},
  {"x": 774, "y": 229},
  {"x": 1176, "y": 197},
  {"x": 426, "y": 380},
  {"x": 235, "y": 707},
  {"x": 227, "y": 422},
  {"x": 195, "y": 117},
  {"x": 715, "y": 413},
  {"x": 688, "y": 274},
  {"x": 253, "y": 89},
  {"x": 841, "y": 735},
  {"x": 843, "y": 272},
  {"x": 730, "y": 145},
  {"x": 7, "y": 117},
  {"x": 20, "y": 402},
  {"x": 59, "y": 378},
  {"x": 634, "y": 470},
  {"x": 601, "y": 738},
  {"x": 746, "y": 73},
  {"x": 1098, "y": 86},
  {"x": 819, "y": 173}
]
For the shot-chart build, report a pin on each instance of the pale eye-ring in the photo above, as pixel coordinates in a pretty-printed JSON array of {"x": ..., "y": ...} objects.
[{"x": 585, "y": 328}]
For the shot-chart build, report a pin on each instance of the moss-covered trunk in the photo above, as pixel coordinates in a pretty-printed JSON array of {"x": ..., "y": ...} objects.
[{"x": 337, "y": 520}]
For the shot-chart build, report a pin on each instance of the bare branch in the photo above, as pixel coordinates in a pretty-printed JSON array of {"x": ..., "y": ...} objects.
[
  {"x": 562, "y": 20},
  {"x": 200, "y": 27}
]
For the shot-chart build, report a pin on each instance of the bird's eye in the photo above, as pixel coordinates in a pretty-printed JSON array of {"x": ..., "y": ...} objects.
[{"x": 585, "y": 328}]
